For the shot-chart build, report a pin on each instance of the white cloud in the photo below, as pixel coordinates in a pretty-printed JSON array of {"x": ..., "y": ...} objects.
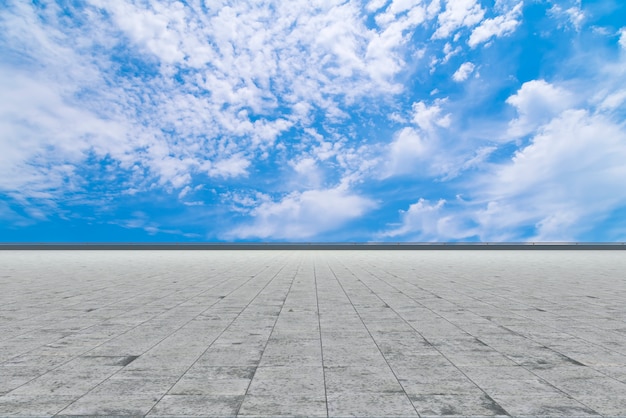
[
  {"x": 374, "y": 5},
  {"x": 576, "y": 16},
  {"x": 537, "y": 101},
  {"x": 498, "y": 26},
  {"x": 457, "y": 14},
  {"x": 308, "y": 173},
  {"x": 613, "y": 100},
  {"x": 235, "y": 166},
  {"x": 424, "y": 221},
  {"x": 568, "y": 178},
  {"x": 43, "y": 136},
  {"x": 301, "y": 215},
  {"x": 622, "y": 38},
  {"x": 449, "y": 52},
  {"x": 463, "y": 72},
  {"x": 406, "y": 151},
  {"x": 417, "y": 149},
  {"x": 421, "y": 219},
  {"x": 212, "y": 90},
  {"x": 570, "y": 16},
  {"x": 426, "y": 117}
]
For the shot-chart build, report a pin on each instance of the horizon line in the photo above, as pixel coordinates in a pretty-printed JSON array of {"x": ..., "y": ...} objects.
[{"x": 313, "y": 246}]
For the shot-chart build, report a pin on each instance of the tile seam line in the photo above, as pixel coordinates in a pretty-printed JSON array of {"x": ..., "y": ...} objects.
[
  {"x": 164, "y": 338},
  {"x": 420, "y": 334},
  {"x": 106, "y": 341},
  {"x": 319, "y": 327},
  {"x": 521, "y": 335},
  {"x": 115, "y": 316},
  {"x": 372, "y": 338},
  {"x": 453, "y": 324},
  {"x": 271, "y": 332},
  {"x": 86, "y": 328},
  {"x": 61, "y": 310},
  {"x": 224, "y": 330},
  {"x": 525, "y": 317}
]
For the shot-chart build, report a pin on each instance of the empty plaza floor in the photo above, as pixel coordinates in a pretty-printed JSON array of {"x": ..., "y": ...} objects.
[{"x": 313, "y": 333}]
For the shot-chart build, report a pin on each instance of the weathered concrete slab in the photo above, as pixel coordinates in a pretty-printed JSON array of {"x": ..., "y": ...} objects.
[{"x": 313, "y": 333}]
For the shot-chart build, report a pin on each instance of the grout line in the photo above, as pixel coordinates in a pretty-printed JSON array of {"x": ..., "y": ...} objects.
[
  {"x": 164, "y": 338},
  {"x": 373, "y": 339},
  {"x": 466, "y": 332},
  {"x": 319, "y": 324},
  {"x": 270, "y": 335}
]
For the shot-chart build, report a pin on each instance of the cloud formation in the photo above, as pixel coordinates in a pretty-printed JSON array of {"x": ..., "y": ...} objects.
[{"x": 300, "y": 120}]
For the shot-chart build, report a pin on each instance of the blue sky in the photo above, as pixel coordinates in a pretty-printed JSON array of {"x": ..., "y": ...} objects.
[{"x": 312, "y": 120}]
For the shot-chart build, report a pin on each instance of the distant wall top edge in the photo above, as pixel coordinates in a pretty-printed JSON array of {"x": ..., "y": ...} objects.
[{"x": 320, "y": 246}]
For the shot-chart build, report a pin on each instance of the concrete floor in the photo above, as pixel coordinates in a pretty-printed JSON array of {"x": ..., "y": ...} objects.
[{"x": 313, "y": 333}]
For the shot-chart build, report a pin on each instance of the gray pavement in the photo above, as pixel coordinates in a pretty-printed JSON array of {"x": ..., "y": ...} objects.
[{"x": 313, "y": 333}]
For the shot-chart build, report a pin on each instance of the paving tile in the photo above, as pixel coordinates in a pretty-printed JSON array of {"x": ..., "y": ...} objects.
[
  {"x": 361, "y": 379},
  {"x": 64, "y": 382},
  {"x": 456, "y": 404},
  {"x": 607, "y": 406},
  {"x": 440, "y": 387},
  {"x": 505, "y": 387},
  {"x": 123, "y": 385},
  {"x": 287, "y": 381},
  {"x": 197, "y": 405},
  {"x": 277, "y": 406},
  {"x": 359, "y": 404},
  {"x": 33, "y": 405},
  {"x": 282, "y": 333},
  {"x": 202, "y": 385},
  {"x": 95, "y": 404},
  {"x": 543, "y": 406}
]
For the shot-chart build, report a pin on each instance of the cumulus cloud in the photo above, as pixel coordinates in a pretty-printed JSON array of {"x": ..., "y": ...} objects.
[
  {"x": 622, "y": 38},
  {"x": 463, "y": 72},
  {"x": 420, "y": 219},
  {"x": 414, "y": 148},
  {"x": 572, "y": 170},
  {"x": 302, "y": 215},
  {"x": 457, "y": 14},
  {"x": 232, "y": 167},
  {"x": 43, "y": 136},
  {"x": 175, "y": 90},
  {"x": 424, "y": 221},
  {"x": 498, "y": 26},
  {"x": 406, "y": 151},
  {"x": 427, "y": 117},
  {"x": 536, "y": 102}
]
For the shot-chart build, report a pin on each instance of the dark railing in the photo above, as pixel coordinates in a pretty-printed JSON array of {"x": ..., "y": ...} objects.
[{"x": 317, "y": 246}]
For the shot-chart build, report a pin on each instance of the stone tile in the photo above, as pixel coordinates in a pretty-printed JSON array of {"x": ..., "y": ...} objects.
[
  {"x": 531, "y": 387},
  {"x": 457, "y": 404},
  {"x": 95, "y": 404},
  {"x": 361, "y": 379},
  {"x": 277, "y": 405},
  {"x": 288, "y": 381},
  {"x": 543, "y": 406},
  {"x": 440, "y": 387},
  {"x": 431, "y": 325},
  {"x": 360, "y": 404},
  {"x": 201, "y": 385},
  {"x": 33, "y": 405},
  {"x": 64, "y": 382},
  {"x": 596, "y": 386},
  {"x": 123, "y": 385},
  {"x": 197, "y": 405},
  {"x": 607, "y": 406},
  {"x": 12, "y": 377}
]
